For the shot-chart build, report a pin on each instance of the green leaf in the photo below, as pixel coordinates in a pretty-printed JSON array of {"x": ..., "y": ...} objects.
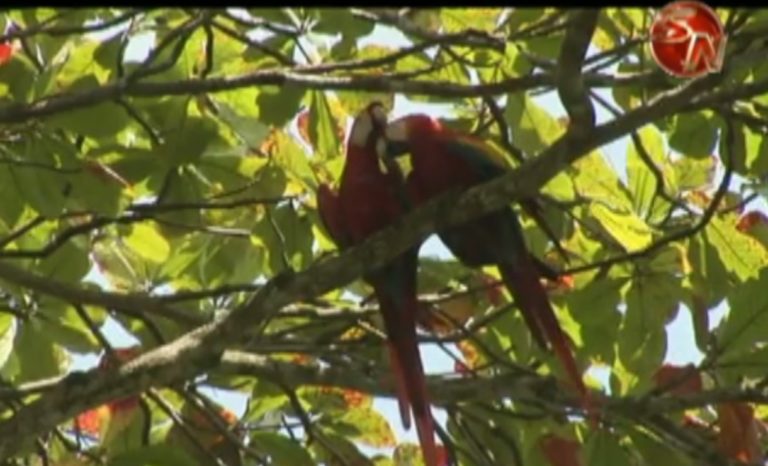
[
  {"x": 8, "y": 331},
  {"x": 182, "y": 187},
  {"x": 708, "y": 274},
  {"x": 642, "y": 182},
  {"x": 369, "y": 426},
  {"x": 148, "y": 243},
  {"x": 477, "y": 19},
  {"x": 322, "y": 127},
  {"x": 694, "y": 134},
  {"x": 155, "y": 455},
  {"x": 253, "y": 133},
  {"x": 334, "y": 447},
  {"x": 94, "y": 191},
  {"x": 288, "y": 238},
  {"x": 13, "y": 204},
  {"x": 694, "y": 174},
  {"x": 108, "y": 52},
  {"x": 642, "y": 341},
  {"x": 626, "y": 228},
  {"x": 756, "y": 152},
  {"x": 67, "y": 328},
  {"x": 18, "y": 77},
  {"x": 533, "y": 128},
  {"x": 293, "y": 159},
  {"x": 746, "y": 322},
  {"x": 341, "y": 20},
  {"x": 232, "y": 261},
  {"x": 189, "y": 141},
  {"x": 741, "y": 254},
  {"x": 654, "y": 451},
  {"x": 603, "y": 448},
  {"x": 595, "y": 179},
  {"x": 38, "y": 357},
  {"x": 277, "y": 106},
  {"x": 281, "y": 450},
  {"x": 595, "y": 308},
  {"x": 69, "y": 263},
  {"x": 81, "y": 64},
  {"x": 99, "y": 121},
  {"x": 43, "y": 189}
]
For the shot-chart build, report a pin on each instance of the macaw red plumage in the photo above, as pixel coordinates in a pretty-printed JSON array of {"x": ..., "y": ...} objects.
[
  {"x": 370, "y": 199},
  {"x": 443, "y": 160}
]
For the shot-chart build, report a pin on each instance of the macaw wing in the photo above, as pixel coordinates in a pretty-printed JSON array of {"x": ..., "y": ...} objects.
[
  {"x": 485, "y": 161},
  {"x": 330, "y": 214}
]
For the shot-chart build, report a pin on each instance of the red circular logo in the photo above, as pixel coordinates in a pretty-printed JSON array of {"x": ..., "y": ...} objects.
[{"x": 687, "y": 39}]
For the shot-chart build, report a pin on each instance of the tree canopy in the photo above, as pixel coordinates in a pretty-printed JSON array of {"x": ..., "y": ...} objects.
[{"x": 158, "y": 171}]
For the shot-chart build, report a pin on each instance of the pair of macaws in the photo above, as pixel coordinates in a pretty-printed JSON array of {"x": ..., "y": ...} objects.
[{"x": 373, "y": 194}]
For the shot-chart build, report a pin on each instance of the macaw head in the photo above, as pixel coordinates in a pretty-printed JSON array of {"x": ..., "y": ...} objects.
[
  {"x": 401, "y": 133},
  {"x": 368, "y": 127}
]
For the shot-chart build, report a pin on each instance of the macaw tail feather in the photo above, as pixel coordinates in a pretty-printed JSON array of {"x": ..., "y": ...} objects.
[
  {"x": 403, "y": 402},
  {"x": 406, "y": 363},
  {"x": 532, "y": 300}
]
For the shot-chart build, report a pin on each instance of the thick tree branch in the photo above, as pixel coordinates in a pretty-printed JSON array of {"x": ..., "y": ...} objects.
[{"x": 117, "y": 301}]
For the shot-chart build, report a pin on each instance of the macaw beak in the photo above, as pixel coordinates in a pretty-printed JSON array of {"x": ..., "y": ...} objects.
[{"x": 396, "y": 136}]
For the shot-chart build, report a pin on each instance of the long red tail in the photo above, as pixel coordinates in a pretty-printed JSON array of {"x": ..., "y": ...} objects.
[
  {"x": 522, "y": 280},
  {"x": 406, "y": 364}
]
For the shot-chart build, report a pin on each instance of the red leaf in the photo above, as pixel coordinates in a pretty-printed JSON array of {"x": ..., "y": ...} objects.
[
  {"x": 354, "y": 398},
  {"x": 560, "y": 451},
  {"x": 460, "y": 368},
  {"x": 105, "y": 173},
  {"x": 679, "y": 380},
  {"x": 738, "y": 436},
  {"x": 750, "y": 219},
  {"x": 494, "y": 293},
  {"x": 6, "y": 52},
  {"x": 303, "y": 125}
]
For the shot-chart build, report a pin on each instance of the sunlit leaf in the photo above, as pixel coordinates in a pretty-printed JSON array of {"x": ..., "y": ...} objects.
[
  {"x": 148, "y": 243},
  {"x": 625, "y": 228}
]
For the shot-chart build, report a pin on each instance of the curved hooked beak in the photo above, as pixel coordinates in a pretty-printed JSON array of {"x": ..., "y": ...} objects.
[{"x": 396, "y": 136}]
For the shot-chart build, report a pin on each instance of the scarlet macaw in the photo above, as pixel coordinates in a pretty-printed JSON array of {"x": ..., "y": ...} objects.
[
  {"x": 443, "y": 159},
  {"x": 369, "y": 199}
]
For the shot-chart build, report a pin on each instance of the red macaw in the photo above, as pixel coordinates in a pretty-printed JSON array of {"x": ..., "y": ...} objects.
[
  {"x": 368, "y": 200},
  {"x": 443, "y": 159}
]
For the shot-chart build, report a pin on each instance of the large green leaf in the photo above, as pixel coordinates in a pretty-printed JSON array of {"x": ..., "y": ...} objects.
[
  {"x": 154, "y": 455},
  {"x": 624, "y": 227},
  {"x": 642, "y": 340},
  {"x": 69, "y": 263},
  {"x": 595, "y": 307},
  {"x": 277, "y": 106},
  {"x": 741, "y": 254},
  {"x": 604, "y": 448},
  {"x": 694, "y": 134},
  {"x": 36, "y": 354},
  {"x": 642, "y": 182},
  {"x": 533, "y": 128},
  {"x": 146, "y": 241},
  {"x": 746, "y": 322},
  {"x": 103, "y": 120},
  {"x": 322, "y": 127},
  {"x": 282, "y": 450}
]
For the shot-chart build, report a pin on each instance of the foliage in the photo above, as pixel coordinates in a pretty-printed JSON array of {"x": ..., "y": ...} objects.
[{"x": 156, "y": 193}]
